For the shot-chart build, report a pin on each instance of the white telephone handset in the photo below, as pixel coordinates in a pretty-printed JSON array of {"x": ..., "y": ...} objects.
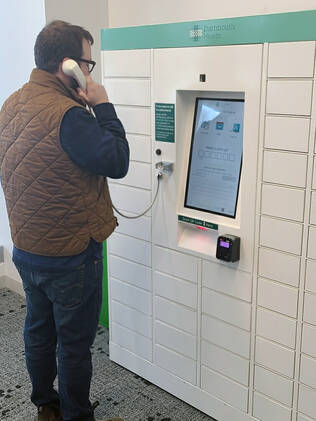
[{"x": 72, "y": 69}]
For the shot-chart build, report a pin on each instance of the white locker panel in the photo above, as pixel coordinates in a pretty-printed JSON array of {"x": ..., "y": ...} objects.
[
  {"x": 139, "y": 228},
  {"x": 281, "y": 235},
  {"x": 176, "y": 315},
  {"x": 273, "y": 385},
  {"x": 277, "y": 297},
  {"x": 310, "y": 283},
  {"x": 128, "y": 91},
  {"x": 266, "y": 409},
  {"x": 130, "y": 248},
  {"x": 181, "y": 366},
  {"x": 291, "y": 59},
  {"x": 283, "y": 202},
  {"x": 285, "y": 168},
  {"x": 289, "y": 97},
  {"x": 314, "y": 172},
  {"x": 130, "y": 199},
  {"x": 307, "y": 401},
  {"x": 225, "y": 362},
  {"x": 131, "y": 296},
  {"x": 279, "y": 266},
  {"x": 176, "y": 340},
  {"x": 276, "y": 327},
  {"x": 313, "y": 209},
  {"x": 225, "y": 389},
  {"x": 287, "y": 133},
  {"x": 312, "y": 243},
  {"x": 179, "y": 68},
  {"x": 301, "y": 417},
  {"x": 135, "y": 120},
  {"x": 177, "y": 264},
  {"x": 308, "y": 371},
  {"x": 309, "y": 340},
  {"x": 228, "y": 309},
  {"x": 309, "y": 308},
  {"x": 130, "y": 272},
  {"x": 275, "y": 357},
  {"x": 175, "y": 289},
  {"x": 139, "y": 175},
  {"x": 226, "y": 336},
  {"x": 227, "y": 280},
  {"x": 132, "y": 341},
  {"x": 131, "y": 319},
  {"x": 140, "y": 147},
  {"x": 114, "y": 63}
]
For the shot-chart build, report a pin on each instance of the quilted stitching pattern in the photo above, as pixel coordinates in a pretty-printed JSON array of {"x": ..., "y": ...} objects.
[{"x": 54, "y": 206}]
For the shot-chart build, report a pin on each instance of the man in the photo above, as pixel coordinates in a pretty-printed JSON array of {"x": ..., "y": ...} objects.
[{"x": 54, "y": 160}]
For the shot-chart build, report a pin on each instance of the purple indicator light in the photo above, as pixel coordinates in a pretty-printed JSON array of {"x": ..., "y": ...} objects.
[{"x": 224, "y": 244}]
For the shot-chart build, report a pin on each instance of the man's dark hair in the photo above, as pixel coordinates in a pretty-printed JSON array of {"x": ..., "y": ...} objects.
[{"x": 56, "y": 41}]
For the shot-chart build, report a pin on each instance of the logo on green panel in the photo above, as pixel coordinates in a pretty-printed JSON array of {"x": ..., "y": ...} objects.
[
  {"x": 211, "y": 32},
  {"x": 196, "y": 33}
]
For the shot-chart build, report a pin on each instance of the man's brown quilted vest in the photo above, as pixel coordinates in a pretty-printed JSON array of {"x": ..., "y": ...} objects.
[{"x": 54, "y": 206}]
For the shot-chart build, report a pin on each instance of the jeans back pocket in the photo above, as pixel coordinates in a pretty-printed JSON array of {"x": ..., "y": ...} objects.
[{"x": 68, "y": 287}]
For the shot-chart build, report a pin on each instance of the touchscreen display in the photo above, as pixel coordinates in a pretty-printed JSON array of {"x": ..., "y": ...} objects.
[{"x": 215, "y": 157}]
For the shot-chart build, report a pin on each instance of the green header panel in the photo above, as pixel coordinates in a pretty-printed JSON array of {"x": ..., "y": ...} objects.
[{"x": 281, "y": 27}]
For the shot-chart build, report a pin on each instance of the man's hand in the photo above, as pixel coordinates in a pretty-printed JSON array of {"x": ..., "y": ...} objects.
[{"x": 95, "y": 93}]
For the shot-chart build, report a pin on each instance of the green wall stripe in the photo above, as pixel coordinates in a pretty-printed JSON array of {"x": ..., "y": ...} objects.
[
  {"x": 104, "y": 314},
  {"x": 294, "y": 26}
]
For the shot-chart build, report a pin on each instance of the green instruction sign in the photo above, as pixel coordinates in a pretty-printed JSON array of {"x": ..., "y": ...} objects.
[
  {"x": 164, "y": 122},
  {"x": 199, "y": 222}
]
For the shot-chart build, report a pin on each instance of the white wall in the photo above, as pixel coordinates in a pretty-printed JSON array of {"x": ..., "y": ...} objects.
[
  {"x": 93, "y": 16},
  {"x": 147, "y": 12},
  {"x": 20, "y": 22}
]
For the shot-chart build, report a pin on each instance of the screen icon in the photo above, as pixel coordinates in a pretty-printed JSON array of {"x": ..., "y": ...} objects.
[
  {"x": 205, "y": 125},
  {"x": 236, "y": 128}
]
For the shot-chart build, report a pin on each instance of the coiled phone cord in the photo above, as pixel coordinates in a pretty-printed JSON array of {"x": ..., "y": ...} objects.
[{"x": 159, "y": 176}]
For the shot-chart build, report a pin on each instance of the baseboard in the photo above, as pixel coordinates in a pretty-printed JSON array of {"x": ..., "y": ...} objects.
[
  {"x": 2, "y": 281},
  {"x": 1, "y": 269},
  {"x": 12, "y": 284}
]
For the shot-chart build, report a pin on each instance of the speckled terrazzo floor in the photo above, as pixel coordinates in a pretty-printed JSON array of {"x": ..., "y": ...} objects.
[{"x": 120, "y": 392}]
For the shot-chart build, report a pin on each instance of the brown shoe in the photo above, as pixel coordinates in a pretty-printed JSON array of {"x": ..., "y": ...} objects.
[{"x": 49, "y": 413}]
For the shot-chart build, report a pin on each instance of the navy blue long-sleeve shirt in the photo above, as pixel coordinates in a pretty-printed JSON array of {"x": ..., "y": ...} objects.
[
  {"x": 99, "y": 148},
  {"x": 98, "y": 145}
]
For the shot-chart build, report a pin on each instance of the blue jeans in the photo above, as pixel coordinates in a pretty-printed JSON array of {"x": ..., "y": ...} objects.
[{"x": 63, "y": 308}]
